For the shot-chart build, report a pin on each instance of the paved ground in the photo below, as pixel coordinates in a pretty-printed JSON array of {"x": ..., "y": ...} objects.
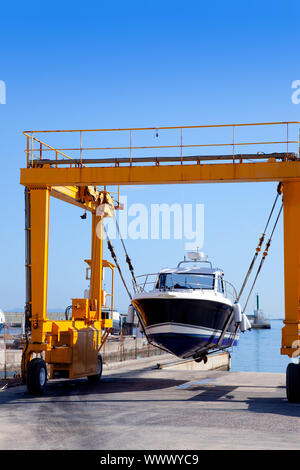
[{"x": 153, "y": 409}]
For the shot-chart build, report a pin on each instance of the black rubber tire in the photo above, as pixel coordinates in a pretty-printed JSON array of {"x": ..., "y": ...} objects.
[
  {"x": 29, "y": 369},
  {"x": 97, "y": 377},
  {"x": 36, "y": 376},
  {"x": 293, "y": 383}
]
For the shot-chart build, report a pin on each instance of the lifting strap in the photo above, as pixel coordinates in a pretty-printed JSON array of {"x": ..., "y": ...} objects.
[
  {"x": 261, "y": 240},
  {"x": 128, "y": 260},
  {"x": 114, "y": 257},
  {"x": 263, "y": 258}
]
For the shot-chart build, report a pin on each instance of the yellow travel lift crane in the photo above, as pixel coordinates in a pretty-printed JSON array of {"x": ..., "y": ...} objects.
[{"x": 71, "y": 347}]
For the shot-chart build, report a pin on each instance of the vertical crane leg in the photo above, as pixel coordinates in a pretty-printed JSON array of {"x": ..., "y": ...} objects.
[
  {"x": 290, "y": 332},
  {"x": 97, "y": 265},
  {"x": 39, "y": 260},
  {"x": 34, "y": 370},
  {"x": 96, "y": 283}
]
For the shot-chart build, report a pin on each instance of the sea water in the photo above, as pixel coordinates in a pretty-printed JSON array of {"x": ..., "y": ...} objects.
[{"x": 259, "y": 350}]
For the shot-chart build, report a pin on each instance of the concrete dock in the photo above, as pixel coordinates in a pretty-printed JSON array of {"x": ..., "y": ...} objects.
[
  {"x": 141, "y": 407},
  {"x": 115, "y": 351}
]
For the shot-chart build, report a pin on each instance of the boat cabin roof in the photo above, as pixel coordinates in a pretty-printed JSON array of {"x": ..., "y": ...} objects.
[{"x": 191, "y": 270}]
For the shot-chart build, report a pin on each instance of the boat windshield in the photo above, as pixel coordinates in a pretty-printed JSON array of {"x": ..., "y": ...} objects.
[{"x": 185, "y": 281}]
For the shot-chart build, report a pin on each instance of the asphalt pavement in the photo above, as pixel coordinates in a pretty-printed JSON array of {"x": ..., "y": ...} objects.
[{"x": 148, "y": 408}]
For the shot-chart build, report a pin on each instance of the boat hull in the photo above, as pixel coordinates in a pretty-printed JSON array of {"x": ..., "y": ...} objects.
[{"x": 186, "y": 327}]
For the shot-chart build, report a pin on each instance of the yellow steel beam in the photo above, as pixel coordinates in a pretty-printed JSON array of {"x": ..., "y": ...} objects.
[
  {"x": 291, "y": 207},
  {"x": 71, "y": 194},
  {"x": 96, "y": 264},
  {"x": 163, "y": 174},
  {"x": 39, "y": 230}
]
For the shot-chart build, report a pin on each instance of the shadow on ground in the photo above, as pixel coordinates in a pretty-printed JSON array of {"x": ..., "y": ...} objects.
[
  {"x": 63, "y": 392},
  {"x": 272, "y": 405},
  {"x": 82, "y": 387}
]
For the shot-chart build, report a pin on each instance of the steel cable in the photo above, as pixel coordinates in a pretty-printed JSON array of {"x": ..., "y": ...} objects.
[
  {"x": 258, "y": 248},
  {"x": 263, "y": 258}
]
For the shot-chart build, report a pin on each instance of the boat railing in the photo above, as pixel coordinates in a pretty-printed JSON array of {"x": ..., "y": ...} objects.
[
  {"x": 145, "y": 283},
  {"x": 148, "y": 282},
  {"x": 229, "y": 291}
]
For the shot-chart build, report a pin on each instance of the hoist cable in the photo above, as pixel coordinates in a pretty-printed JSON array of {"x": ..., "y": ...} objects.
[
  {"x": 258, "y": 248},
  {"x": 263, "y": 258},
  {"x": 114, "y": 257},
  {"x": 128, "y": 260},
  {"x": 272, "y": 210}
]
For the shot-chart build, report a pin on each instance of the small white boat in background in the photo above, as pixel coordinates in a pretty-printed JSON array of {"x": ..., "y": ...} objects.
[
  {"x": 2, "y": 319},
  {"x": 190, "y": 310},
  {"x": 119, "y": 320}
]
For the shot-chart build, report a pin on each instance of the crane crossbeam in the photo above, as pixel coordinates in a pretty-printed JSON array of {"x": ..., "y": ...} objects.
[{"x": 162, "y": 174}]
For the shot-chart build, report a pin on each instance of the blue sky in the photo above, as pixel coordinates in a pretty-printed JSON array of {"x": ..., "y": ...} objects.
[{"x": 134, "y": 64}]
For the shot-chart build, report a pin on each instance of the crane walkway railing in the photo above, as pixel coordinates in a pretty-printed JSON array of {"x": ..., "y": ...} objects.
[{"x": 283, "y": 142}]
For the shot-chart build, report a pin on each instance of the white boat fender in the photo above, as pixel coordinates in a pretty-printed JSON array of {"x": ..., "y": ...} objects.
[
  {"x": 237, "y": 312},
  {"x": 245, "y": 323},
  {"x": 130, "y": 314}
]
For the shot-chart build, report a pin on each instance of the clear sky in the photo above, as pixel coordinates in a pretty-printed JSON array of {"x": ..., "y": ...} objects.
[{"x": 118, "y": 64}]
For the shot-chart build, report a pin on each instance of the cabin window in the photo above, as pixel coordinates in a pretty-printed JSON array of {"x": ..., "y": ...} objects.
[{"x": 186, "y": 281}]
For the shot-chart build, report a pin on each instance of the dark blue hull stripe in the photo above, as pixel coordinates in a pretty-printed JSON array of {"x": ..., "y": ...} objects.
[{"x": 188, "y": 345}]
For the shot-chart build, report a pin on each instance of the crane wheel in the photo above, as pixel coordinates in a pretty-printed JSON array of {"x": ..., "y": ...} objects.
[
  {"x": 36, "y": 377},
  {"x": 293, "y": 383},
  {"x": 97, "y": 377}
]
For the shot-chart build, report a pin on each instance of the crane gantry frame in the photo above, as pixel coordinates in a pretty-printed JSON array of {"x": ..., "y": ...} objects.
[{"x": 74, "y": 179}]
